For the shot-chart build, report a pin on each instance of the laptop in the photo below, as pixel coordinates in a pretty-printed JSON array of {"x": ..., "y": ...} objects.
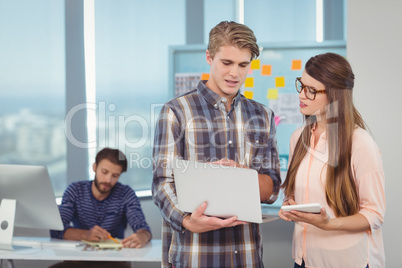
[{"x": 228, "y": 191}]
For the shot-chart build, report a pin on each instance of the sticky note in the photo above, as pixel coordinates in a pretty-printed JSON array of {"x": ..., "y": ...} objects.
[
  {"x": 249, "y": 82},
  {"x": 296, "y": 65},
  {"x": 279, "y": 81},
  {"x": 255, "y": 64},
  {"x": 248, "y": 94},
  {"x": 277, "y": 120},
  {"x": 250, "y": 71},
  {"x": 204, "y": 76},
  {"x": 272, "y": 94},
  {"x": 266, "y": 69}
]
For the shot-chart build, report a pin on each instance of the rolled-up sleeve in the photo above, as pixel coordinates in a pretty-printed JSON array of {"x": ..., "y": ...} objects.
[
  {"x": 372, "y": 199},
  {"x": 167, "y": 145},
  {"x": 368, "y": 170},
  {"x": 272, "y": 166}
]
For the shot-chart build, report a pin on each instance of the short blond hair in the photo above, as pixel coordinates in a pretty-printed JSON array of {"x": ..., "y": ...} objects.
[{"x": 232, "y": 33}]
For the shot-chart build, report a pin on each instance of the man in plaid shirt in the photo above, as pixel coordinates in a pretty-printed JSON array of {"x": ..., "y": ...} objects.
[{"x": 215, "y": 123}]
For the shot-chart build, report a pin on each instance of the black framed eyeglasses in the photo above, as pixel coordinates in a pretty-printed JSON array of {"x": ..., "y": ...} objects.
[{"x": 309, "y": 92}]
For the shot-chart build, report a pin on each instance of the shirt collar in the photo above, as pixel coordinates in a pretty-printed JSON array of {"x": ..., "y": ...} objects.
[
  {"x": 322, "y": 136},
  {"x": 214, "y": 98}
]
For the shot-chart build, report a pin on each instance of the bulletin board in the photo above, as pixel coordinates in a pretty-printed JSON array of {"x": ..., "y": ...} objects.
[{"x": 270, "y": 81}]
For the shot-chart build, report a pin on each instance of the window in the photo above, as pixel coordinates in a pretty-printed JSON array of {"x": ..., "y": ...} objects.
[
  {"x": 32, "y": 86},
  {"x": 132, "y": 40},
  {"x": 281, "y": 21},
  {"x": 131, "y": 73}
]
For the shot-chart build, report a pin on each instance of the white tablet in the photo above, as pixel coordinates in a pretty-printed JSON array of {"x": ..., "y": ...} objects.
[{"x": 312, "y": 208}]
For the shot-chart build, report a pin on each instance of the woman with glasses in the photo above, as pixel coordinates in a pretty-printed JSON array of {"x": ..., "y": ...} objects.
[{"x": 334, "y": 162}]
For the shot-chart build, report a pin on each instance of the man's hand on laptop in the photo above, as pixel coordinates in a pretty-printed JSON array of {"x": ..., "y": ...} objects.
[
  {"x": 229, "y": 162},
  {"x": 197, "y": 222}
]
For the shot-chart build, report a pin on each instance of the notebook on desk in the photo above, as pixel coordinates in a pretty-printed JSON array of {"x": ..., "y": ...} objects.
[
  {"x": 108, "y": 244},
  {"x": 228, "y": 191}
]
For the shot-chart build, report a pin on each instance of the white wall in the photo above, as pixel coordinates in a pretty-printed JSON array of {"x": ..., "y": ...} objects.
[{"x": 374, "y": 48}]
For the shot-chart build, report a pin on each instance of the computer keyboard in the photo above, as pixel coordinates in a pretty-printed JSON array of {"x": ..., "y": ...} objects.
[{"x": 44, "y": 242}]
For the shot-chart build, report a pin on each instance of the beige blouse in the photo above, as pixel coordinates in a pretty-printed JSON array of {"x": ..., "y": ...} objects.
[{"x": 336, "y": 249}]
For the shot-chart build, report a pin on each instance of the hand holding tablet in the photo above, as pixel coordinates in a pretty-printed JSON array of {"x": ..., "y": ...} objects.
[{"x": 310, "y": 208}]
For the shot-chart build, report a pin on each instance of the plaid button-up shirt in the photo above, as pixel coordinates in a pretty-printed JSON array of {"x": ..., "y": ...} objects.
[{"x": 196, "y": 126}]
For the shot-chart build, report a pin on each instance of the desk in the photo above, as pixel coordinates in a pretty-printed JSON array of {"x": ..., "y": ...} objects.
[{"x": 152, "y": 252}]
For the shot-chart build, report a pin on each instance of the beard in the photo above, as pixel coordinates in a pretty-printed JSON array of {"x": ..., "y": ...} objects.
[{"x": 98, "y": 186}]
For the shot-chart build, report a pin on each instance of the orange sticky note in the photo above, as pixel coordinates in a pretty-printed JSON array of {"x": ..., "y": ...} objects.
[
  {"x": 272, "y": 94},
  {"x": 255, "y": 64},
  {"x": 250, "y": 71},
  {"x": 248, "y": 94},
  {"x": 249, "y": 82},
  {"x": 205, "y": 76},
  {"x": 279, "y": 81},
  {"x": 266, "y": 69},
  {"x": 296, "y": 65}
]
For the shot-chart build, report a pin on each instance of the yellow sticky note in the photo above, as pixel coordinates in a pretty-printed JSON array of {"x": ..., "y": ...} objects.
[
  {"x": 205, "y": 76},
  {"x": 280, "y": 81},
  {"x": 249, "y": 82},
  {"x": 255, "y": 64},
  {"x": 272, "y": 94},
  {"x": 248, "y": 94},
  {"x": 266, "y": 69},
  {"x": 296, "y": 65}
]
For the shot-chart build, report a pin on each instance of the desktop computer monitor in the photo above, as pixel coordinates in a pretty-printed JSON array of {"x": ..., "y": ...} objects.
[{"x": 27, "y": 200}]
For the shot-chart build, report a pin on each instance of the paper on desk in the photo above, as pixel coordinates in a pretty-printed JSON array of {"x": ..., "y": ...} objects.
[{"x": 104, "y": 244}]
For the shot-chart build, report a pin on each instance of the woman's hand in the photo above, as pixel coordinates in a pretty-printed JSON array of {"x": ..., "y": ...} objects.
[
  {"x": 321, "y": 220},
  {"x": 281, "y": 213}
]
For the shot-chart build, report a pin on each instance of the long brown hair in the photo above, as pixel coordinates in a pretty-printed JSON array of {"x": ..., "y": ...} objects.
[{"x": 335, "y": 72}]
